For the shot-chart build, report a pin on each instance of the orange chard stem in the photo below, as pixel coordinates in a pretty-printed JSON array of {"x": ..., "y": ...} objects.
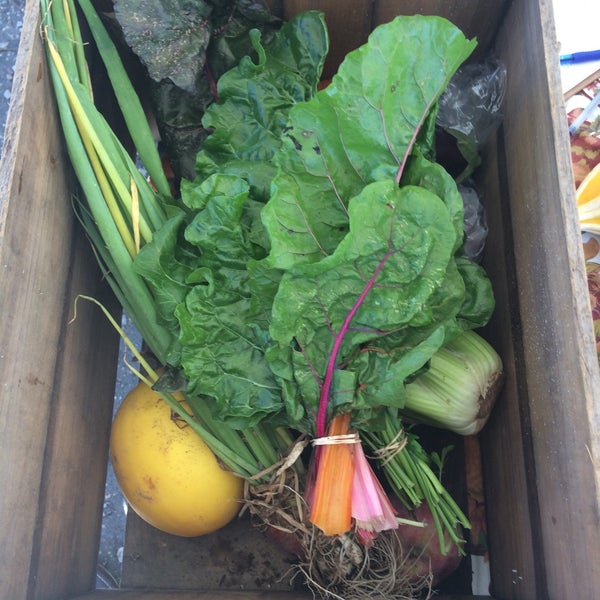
[{"x": 331, "y": 509}]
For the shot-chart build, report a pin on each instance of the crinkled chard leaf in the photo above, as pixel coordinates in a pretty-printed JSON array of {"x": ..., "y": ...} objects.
[
  {"x": 165, "y": 263},
  {"x": 360, "y": 233},
  {"x": 223, "y": 346},
  {"x": 255, "y": 97},
  {"x": 358, "y": 130},
  {"x": 388, "y": 277},
  {"x": 226, "y": 296}
]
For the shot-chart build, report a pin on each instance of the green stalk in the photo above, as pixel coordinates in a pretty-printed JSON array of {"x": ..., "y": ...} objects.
[
  {"x": 105, "y": 170},
  {"x": 128, "y": 100},
  {"x": 91, "y": 124},
  {"x": 460, "y": 387},
  {"x": 78, "y": 47},
  {"x": 117, "y": 257},
  {"x": 262, "y": 445},
  {"x": 229, "y": 436},
  {"x": 106, "y": 173},
  {"x": 413, "y": 481}
]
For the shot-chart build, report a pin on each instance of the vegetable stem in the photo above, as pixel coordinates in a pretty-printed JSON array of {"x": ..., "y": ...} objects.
[
  {"x": 331, "y": 508},
  {"x": 337, "y": 342},
  {"x": 412, "y": 479},
  {"x": 128, "y": 100}
]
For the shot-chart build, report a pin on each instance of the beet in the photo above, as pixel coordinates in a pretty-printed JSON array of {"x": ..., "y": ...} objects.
[{"x": 423, "y": 545}]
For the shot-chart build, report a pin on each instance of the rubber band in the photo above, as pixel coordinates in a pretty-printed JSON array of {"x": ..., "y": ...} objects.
[{"x": 330, "y": 440}]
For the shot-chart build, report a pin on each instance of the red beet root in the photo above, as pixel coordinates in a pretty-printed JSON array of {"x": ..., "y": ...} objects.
[{"x": 423, "y": 546}]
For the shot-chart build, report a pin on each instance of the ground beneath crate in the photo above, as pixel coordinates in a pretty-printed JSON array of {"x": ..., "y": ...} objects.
[{"x": 10, "y": 32}]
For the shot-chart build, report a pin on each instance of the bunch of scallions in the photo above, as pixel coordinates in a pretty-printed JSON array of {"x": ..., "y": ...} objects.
[{"x": 122, "y": 209}]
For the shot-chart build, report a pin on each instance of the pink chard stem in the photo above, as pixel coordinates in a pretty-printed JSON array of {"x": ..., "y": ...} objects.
[{"x": 337, "y": 343}]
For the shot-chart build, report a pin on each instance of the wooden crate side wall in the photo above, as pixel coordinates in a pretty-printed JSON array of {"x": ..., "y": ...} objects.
[
  {"x": 475, "y": 18},
  {"x": 33, "y": 282},
  {"x": 557, "y": 356},
  {"x": 350, "y": 27},
  {"x": 57, "y": 377},
  {"x": 504, "y": 439},
  {"x": 72, "y": 494}
]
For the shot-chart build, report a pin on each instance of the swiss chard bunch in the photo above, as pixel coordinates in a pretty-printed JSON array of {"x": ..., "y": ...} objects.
[
  {"x": 316, "y": 266},
  {"x": 367, "y": 229}
]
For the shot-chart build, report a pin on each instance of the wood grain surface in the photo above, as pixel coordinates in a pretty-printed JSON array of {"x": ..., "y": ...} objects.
[{"x": 57, "y": 375}]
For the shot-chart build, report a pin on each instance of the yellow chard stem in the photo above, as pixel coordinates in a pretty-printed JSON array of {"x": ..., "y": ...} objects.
[{"x": 135, "y": 214}]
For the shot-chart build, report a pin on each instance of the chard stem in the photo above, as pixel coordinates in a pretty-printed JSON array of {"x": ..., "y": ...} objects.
[{"x": 337, "y": 343}]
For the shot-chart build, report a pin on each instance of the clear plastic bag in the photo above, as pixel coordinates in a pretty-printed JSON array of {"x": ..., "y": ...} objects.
[
  {"x": 471, "y": 108},
  {"x": 472, "y": 102},
  {"x": 474, "y": 224}
]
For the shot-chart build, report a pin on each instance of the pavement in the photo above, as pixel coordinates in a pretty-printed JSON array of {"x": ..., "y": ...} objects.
[
  {"x": 114, "y": 512},
  {"x": 10, "y": 31}
]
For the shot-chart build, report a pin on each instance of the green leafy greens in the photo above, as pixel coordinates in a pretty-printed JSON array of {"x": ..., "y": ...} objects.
[
  {"x": 205, "y": 266},
  {"x": 323, "y": 242},
  {"x": 360, "y": 129},
  {"x": 185, "y": 47}
]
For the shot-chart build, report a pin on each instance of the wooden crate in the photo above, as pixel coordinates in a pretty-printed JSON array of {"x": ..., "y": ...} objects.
[{"x": 541, "y": 449}]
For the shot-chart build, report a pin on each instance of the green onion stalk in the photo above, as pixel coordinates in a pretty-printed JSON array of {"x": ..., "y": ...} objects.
[
  {"x": 409, "y": 470},
  {"x": 122, "y": 211},
  {"x": 456, "y": 392}
]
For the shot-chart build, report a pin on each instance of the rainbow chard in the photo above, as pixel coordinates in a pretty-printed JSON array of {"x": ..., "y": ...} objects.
[
  {"x": 336, "y": 320},
  {"x": 334, "y": 275},
  {"x": 367, "y": 231}
]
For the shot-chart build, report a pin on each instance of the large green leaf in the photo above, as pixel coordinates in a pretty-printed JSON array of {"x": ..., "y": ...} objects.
[
  {"x": 392, "y": 274},
  {"x": 255, "y": 98},
  {"x": 165, "y": 265},
  {"x": 223, "y": 338},
  {"x": 358, "y": 130}
]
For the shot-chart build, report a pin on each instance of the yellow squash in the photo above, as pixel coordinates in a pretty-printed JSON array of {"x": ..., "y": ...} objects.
[{"x": 168, "y": 475}]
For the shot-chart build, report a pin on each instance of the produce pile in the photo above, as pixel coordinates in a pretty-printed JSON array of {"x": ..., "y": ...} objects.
[{"x": 295, "y": 263}]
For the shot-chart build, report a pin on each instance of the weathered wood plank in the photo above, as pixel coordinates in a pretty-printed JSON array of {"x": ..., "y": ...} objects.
[
  {"x": 475, "y": 18},
  {"x": 34, "y": 278},
  {"x": 503, "y": 440},
  {"x": 57, "y": 378},
  {"x": 560, "y": 407},
  {"x": 238, "y": 556}
]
